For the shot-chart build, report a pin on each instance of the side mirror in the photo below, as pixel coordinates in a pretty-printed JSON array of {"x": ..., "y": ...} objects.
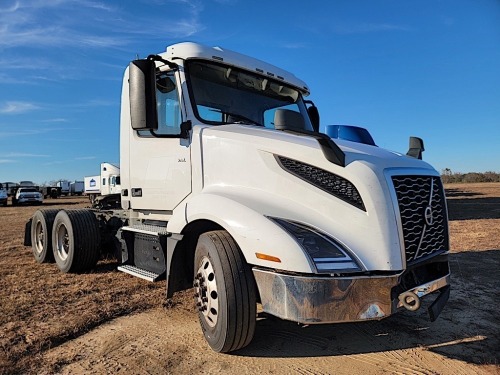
[
  {"x": 286, "y": 119},
  {"x": 350, "y": 133},
  {"x": 313, "y": 113},
  {"x": 142, "y": 95},
  {"x": 416, "y": 148}
]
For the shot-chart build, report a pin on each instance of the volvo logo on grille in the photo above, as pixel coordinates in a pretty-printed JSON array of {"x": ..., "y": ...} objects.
[{"x": 429, "y": 219}]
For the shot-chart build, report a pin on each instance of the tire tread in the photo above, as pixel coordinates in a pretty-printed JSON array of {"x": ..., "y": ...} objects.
[{"x": 240, "y": 292}]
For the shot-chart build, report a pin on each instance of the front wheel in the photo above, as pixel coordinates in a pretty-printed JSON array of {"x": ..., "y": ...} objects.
[{"x": 224, "y": 292}]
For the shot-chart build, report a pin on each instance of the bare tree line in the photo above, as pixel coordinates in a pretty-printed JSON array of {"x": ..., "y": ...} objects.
[{"x": 450, "y": 177}]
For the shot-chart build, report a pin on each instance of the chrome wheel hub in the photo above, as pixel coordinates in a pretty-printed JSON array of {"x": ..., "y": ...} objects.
[
  {"x": 206, "y": 294},
  {"x": 39, "y": 237},
  {"x": 62, "y": 242}
]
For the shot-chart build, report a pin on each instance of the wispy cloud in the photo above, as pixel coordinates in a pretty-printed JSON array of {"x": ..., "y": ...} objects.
[
  {"x": 5, "y": 161},
  {"x": 13, "y": 107},
  {"x": 43, "y": 23},
  {"x": 40, "y": 30},
  {"x": 29, "y": 132},
  {"x": 23, "y": 155}
]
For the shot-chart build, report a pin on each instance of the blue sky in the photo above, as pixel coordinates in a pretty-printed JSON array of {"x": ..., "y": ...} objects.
[{"x": 429, "y": 68}]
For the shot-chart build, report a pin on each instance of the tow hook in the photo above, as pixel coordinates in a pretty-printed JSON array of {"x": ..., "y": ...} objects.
[{"x": 410, "y": 301}]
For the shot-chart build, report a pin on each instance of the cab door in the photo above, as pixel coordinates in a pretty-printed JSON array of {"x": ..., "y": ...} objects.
[{"x": 160, "y": 160}]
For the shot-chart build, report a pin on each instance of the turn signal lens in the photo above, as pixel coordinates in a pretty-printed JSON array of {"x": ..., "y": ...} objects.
[{"x": 268, "y": 257}]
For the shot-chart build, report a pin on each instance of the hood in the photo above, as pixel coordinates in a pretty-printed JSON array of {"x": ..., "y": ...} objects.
[{"x": 270, "y": 139}]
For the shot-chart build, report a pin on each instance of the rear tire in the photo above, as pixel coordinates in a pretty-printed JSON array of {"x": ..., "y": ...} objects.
[
  {"x": 225, "y": 292},
  {"x": 41, "y": 235},
  {"x": 75, "y": 240}
]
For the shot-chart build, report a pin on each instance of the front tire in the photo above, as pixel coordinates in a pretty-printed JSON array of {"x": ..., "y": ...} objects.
[
  {"x": 41, "y": 235},
  {"x": 224, "y": 292},
  {"x": 75, "y": 240}
]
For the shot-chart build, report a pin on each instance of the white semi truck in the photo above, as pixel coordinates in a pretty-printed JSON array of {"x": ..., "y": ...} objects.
[
  {"x": 104, "y": 189},
  {"x": 227, "y": 185},
  {"x": 65, "y": 187}
]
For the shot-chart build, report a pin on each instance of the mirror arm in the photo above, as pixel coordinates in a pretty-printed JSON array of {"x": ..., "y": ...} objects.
[{"x": 161, "y": 59}]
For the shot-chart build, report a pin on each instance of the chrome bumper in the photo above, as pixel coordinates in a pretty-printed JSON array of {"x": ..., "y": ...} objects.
[{"x": 316, "y": 300}]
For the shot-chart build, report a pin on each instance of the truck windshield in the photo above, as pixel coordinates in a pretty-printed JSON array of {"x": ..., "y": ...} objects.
[{"x": 223, "y": 94}]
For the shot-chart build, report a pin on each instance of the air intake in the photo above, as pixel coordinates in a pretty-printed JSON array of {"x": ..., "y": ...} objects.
[{"x": 324, "y": 180}]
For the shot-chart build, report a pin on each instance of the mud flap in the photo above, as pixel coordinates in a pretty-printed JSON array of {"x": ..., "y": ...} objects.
[
  {"x": 437, "y": 306},
  {"x": 27, "y": 233}
]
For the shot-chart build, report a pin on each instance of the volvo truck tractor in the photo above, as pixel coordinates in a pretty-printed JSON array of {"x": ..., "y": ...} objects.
[{"x": 228, "y": 186}]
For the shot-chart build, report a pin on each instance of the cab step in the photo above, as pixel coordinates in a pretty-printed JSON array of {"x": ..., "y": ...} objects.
[
  {"x": 153, "y": 230},
  {"x": 139, "y": 272}
]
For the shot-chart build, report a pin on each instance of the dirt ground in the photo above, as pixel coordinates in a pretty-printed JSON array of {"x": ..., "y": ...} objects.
[{"x": 106, "y": 321}]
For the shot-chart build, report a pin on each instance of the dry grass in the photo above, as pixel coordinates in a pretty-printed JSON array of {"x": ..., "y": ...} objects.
[{"x": 41, "y": 307}]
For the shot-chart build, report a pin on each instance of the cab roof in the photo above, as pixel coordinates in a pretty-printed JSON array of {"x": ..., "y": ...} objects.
[{"x": 189, "y": 50}]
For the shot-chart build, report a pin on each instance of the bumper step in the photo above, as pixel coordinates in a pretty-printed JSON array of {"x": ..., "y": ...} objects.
[{"x": 139, "y": 272}]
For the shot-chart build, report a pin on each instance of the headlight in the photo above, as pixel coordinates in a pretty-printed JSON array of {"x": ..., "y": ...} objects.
[{"x": 327, "y": 255}]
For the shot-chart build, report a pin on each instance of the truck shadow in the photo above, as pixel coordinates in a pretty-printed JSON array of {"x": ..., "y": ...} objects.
[
  {"x": 455, "y": 192},
  {"x": 467, "y": 329},
  {"x": 460, "y": 207}
]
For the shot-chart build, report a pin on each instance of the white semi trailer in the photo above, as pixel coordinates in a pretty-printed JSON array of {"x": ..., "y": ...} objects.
[
  {"x": 77, "y": 187},
  {"x": 227, "y": 185}
]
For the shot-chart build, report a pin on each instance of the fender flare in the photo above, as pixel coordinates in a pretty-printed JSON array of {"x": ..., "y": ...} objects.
[{"x": 252, "y": 231}]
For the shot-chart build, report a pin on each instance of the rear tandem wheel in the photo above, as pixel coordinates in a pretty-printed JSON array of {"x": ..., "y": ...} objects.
[
  {"x": 41, "y": 232},
  {"x": 75, "y": 240}
]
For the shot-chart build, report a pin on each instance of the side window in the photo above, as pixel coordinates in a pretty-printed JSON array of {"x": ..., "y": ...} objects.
[
  {"x": 167, "y": 101},
  {"x": 269, "y": 114},
  {"x": 103, "y": 182}
]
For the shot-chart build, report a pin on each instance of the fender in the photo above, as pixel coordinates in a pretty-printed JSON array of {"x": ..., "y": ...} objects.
[{"x": 253, "y": 232}]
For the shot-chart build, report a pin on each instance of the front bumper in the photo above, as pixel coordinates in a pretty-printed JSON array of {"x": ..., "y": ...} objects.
[
  {"x": 29, "y": 200},
  {"x": 317, "y": 300}
]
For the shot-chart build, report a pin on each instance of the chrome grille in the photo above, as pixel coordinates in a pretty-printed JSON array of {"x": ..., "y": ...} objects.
[
  {"x": 327, "y": 181},
  {"x": 422, "y": 207}
]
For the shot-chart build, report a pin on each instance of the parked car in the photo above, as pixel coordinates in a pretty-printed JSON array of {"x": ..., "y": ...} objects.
[
  {"x": 3, "y": 195},
  {"x": 27, "y": 195}
]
